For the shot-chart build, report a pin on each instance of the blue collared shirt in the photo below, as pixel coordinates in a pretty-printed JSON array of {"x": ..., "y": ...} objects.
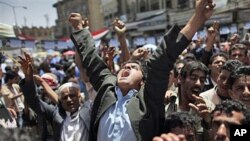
[{"x": 115, "y": 124}]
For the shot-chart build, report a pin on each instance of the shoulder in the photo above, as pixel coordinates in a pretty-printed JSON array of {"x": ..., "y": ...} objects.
[
  {"x": 208, "y": 93},
  {"x": 4, "y": 90}
]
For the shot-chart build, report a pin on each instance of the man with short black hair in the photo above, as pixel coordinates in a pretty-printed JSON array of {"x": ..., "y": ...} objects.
[
  {"x": 228, "y": 112},
  {"x": 179, "y": 125},
  {"x": 220, "y": 91},
  {"x": 238, "y": 52},
  {"x": 239, "y": 85}
]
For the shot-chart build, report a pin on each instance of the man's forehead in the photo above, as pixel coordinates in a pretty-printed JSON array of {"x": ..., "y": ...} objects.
[
  {"x": 197, "y": 73},
  {"x": 220, "y": 115},
  {"x": 243, "y": 79},
  {"x": 69, "y": 89}
]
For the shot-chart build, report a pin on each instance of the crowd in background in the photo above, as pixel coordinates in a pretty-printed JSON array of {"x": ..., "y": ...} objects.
[{"x": 204, "y": 87}]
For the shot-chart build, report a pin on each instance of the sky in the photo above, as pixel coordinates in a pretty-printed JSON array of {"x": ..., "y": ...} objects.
[{"x": 35, "y": 15}]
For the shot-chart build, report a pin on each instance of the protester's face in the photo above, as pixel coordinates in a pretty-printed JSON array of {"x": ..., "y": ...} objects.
[
  {"x": 70, "y": 98},
  {"x": 241, "y": 90},
  {"x": 130, "y": 76},
  {"x": 193, "y": 84},
  {"x": 221, "y": 123},
  {"x": 189, "y": 133},
  {"x": 222, "y": 86},
  {"x": 238, "y": 54},
  {"x": 179, "y": 66},
  {"x": 216, "y": 65}
]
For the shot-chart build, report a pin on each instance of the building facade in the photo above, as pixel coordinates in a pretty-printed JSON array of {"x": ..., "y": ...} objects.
[
  {"x": 37, "y": 33},
  {"x": 88, "y": 8}
]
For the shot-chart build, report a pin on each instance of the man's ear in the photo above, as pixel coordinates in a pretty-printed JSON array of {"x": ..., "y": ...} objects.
[{"x": 142, "y": 82}]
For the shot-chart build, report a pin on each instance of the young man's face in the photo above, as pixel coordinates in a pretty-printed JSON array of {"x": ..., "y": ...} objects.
[
  {"x": 222, "y": 86},
  {"x": 192, "y": 84},
  {"x": 241, "y": 90},
  {"x": 221, "y": 123},
  {"x": 130, "y": 76},
  {"x": 70, "y": 98},
  {"x": 238, "y": 54},
  {"x": 217, "y": 63}
]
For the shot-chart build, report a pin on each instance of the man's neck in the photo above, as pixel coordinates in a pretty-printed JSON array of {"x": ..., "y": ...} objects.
[
  {"x": 214, "y": 77},
  {"x": 183, "y": 102}
]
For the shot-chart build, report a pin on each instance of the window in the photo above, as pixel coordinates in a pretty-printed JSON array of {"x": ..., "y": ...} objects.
[
  {"x": 183, "y": 4},
  {"x": 168, "y": 4},
  {"x": 155, "y": 5}
]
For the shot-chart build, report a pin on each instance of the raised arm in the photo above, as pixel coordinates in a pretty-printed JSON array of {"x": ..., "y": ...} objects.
[
  {"x": 211, "y": 35},
  {"x": 203, "y": 11},
  {"x": 48, "y": 90},
  {"x": 120, "y": 29},
  {"x": 175, "y": 41},
  {"x": 96, "y": 69},
  {"x": 28, "y": 88}
]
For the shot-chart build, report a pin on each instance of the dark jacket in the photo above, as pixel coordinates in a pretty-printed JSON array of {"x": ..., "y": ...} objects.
[
  {"x": 146, "y": 108},
  {"x": 52, "y": 113}
]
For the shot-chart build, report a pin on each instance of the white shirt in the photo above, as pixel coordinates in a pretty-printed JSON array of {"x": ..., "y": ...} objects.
[
  {"x": 211, "y": 95},
  {"x": 73, "y": 128},
  {"x": 115, "y": 124}
]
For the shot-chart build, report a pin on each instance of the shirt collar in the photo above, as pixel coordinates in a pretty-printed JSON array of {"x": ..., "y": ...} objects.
[
  {"x": 76, "y": 114},
  {"x": 129, "y": 95}
]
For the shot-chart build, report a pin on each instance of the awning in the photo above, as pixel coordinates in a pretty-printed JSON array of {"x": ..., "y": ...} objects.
[{"x": 7, "y": 30}]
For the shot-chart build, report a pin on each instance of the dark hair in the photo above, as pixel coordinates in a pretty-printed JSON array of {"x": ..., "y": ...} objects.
[
  {"x": 192, "y": 66},
  {"x": 176, "y": 73},
  {"x": 222, "y": 54},
  {"x": 239, "y": 72},
  {"x": 231, "y": 65},
  {"x": 180, "y": 119},
  {"x": 10, "y": 75},
  {"x": 227, "y": 106},
  {"x": 7, "y": 68},
  {"x": 189, "y": 56},
  {"x": 238, "y": 46}
]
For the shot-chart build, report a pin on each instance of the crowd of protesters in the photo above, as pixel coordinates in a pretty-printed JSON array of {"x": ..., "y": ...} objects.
[{"x": 184, "y": 90}]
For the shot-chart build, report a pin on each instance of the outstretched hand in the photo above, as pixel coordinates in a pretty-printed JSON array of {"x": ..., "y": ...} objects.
[{"x": 26, "y": 66}]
